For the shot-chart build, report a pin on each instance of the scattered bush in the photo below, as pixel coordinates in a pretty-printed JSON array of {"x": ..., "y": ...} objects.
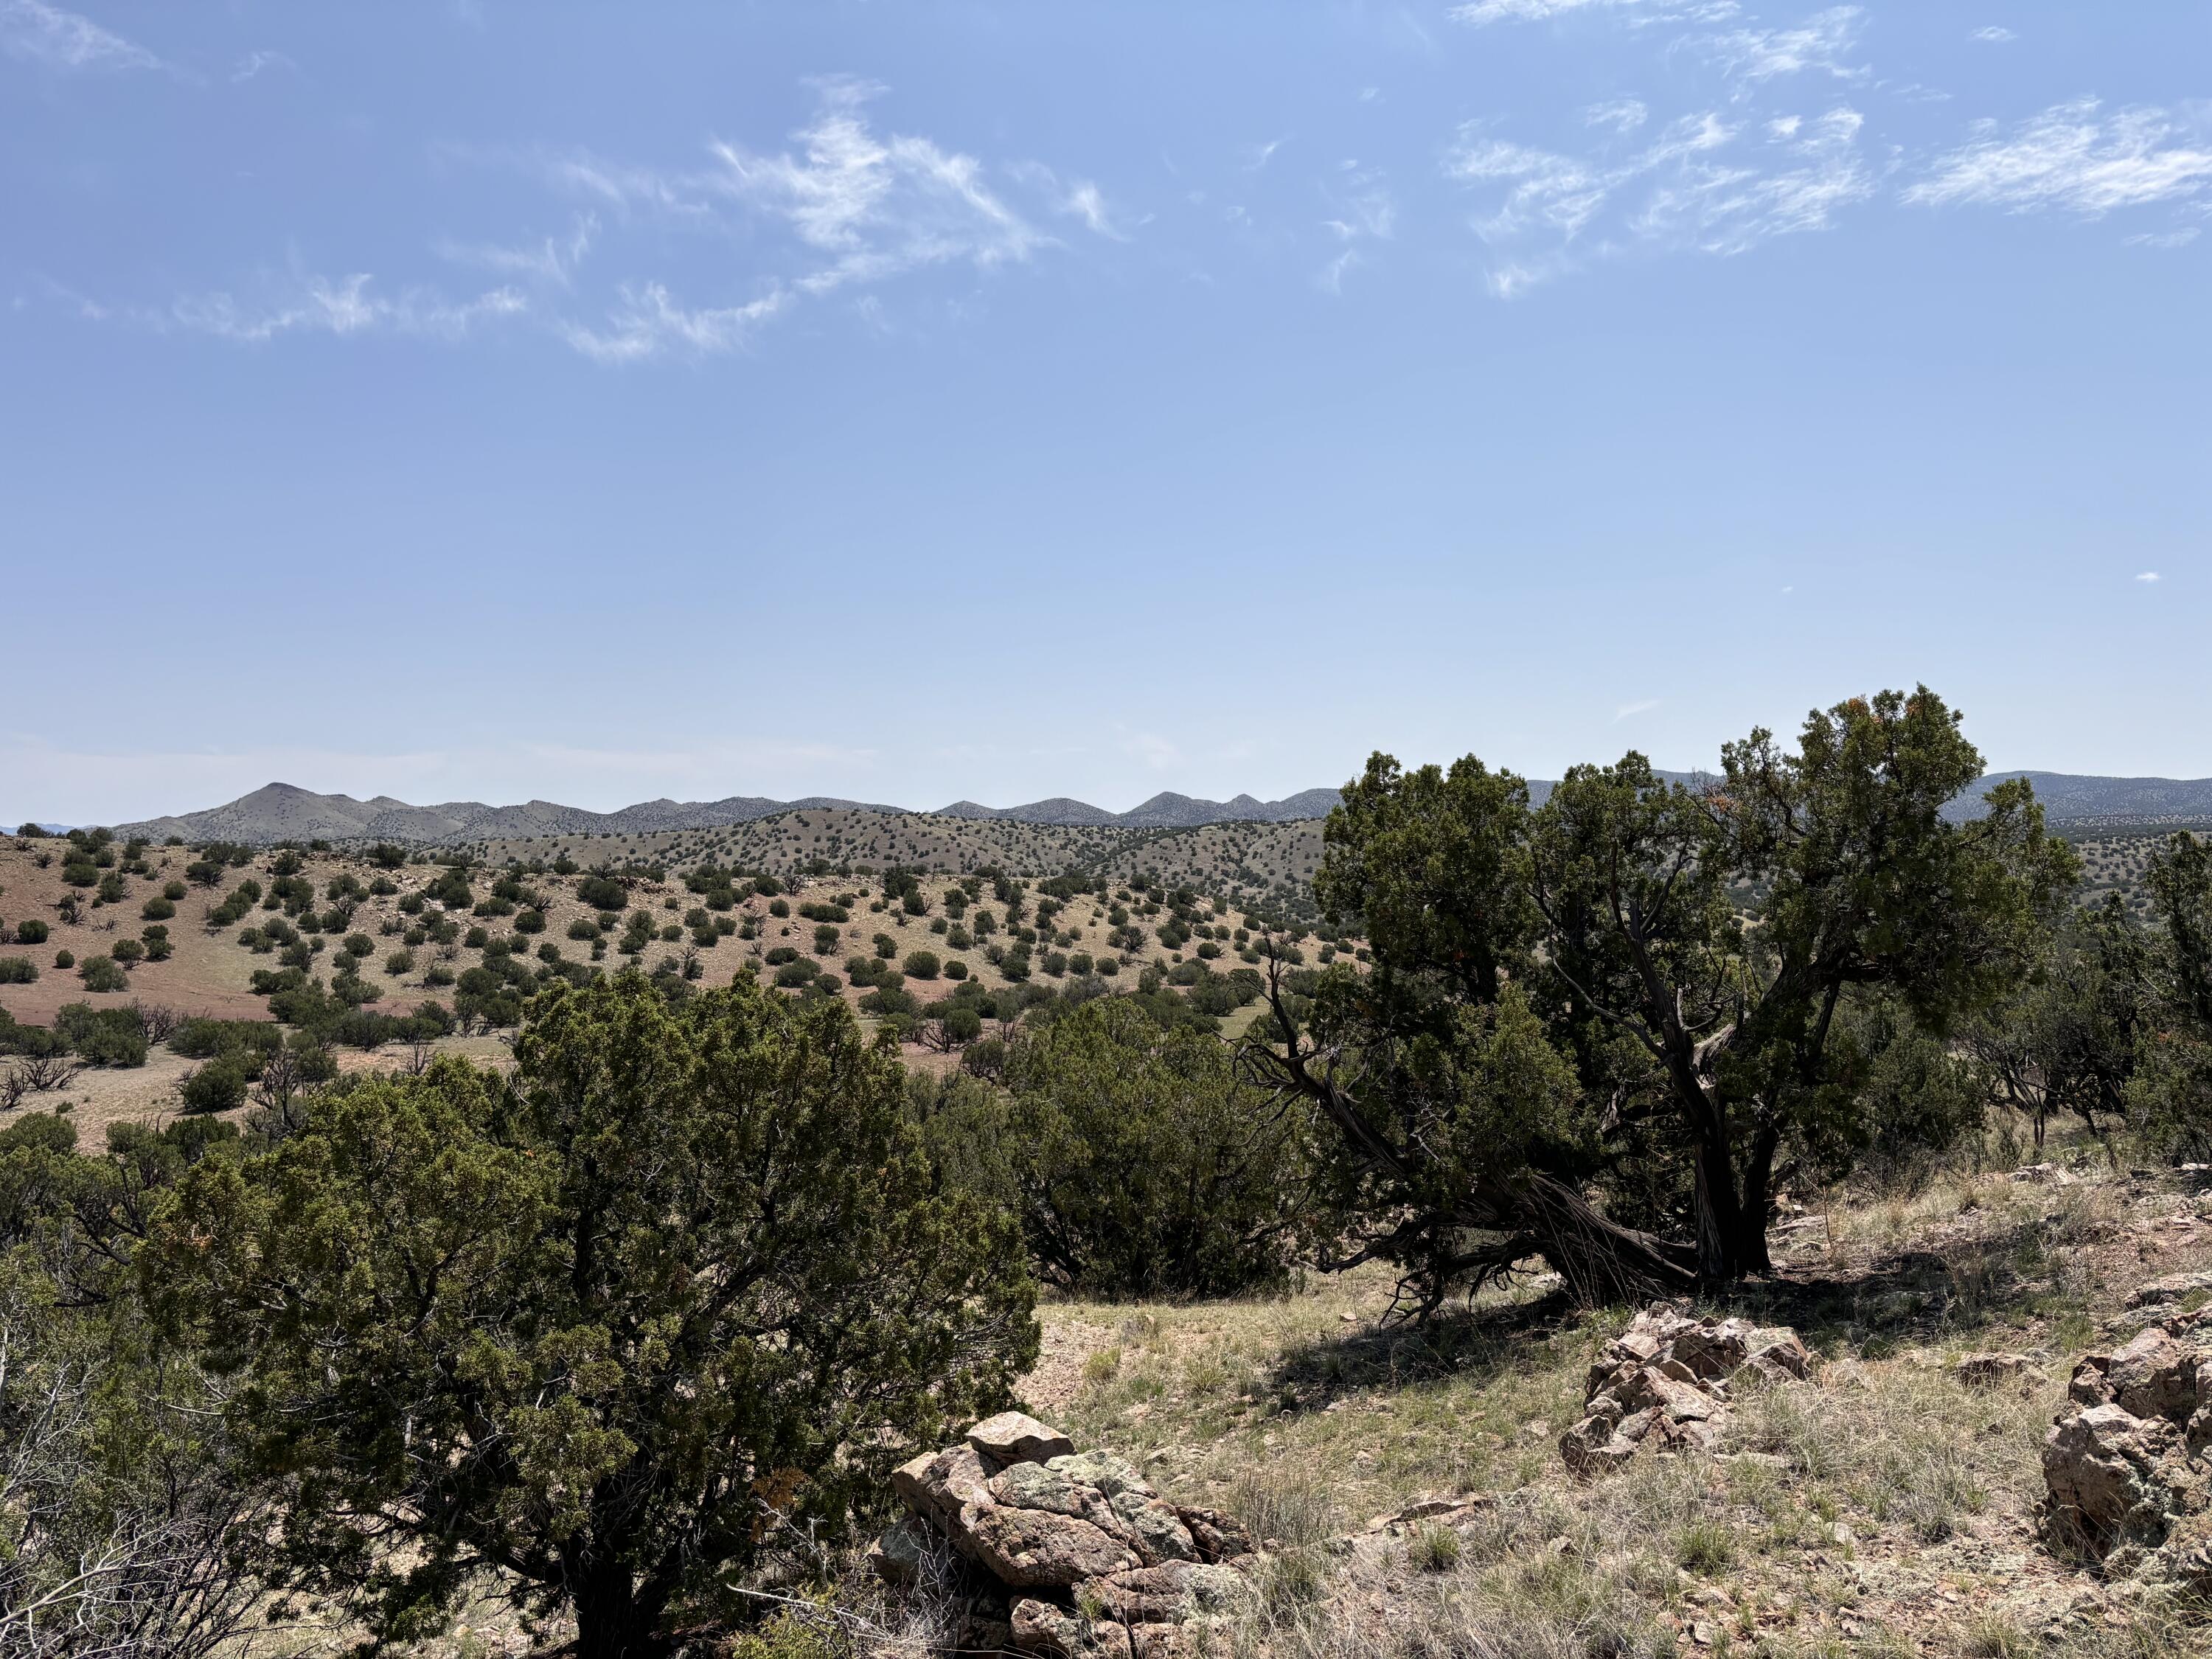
[
  {"x": 18, "y": 971},
  {"x": 102, "y": 1037},
  {"x": 103, "y": 974},
  {"x": 31, "y": 931},
  {"x": 921, "y": 964},
  {"x": 65, "y": 958},
  {"x": 217, "y": 1086}
]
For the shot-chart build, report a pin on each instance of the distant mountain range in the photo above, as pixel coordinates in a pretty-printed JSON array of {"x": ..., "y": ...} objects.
[{"x": 282, "y": 812}]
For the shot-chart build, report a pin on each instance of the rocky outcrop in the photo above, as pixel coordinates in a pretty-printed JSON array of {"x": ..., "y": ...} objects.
[
  {"x": 1081, "y": 1556},
  {"x": 1666, "y": 1383},
  {"x": 2125, "y": 1463}
]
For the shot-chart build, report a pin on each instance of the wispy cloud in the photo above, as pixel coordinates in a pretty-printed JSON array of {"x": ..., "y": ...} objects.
[
  {"x": 844, "y": 208},
  {"x": 553, "y": 260},
  {"x": 1629, "y": 710},
  {"x": 1361, "y": 209},
  {"x": 1995, "y": 34},
  {"x": 1256, "y": 156},
  {"x": 1621, "y": 114},
  {"x": 40, "y": 33},
  {"x": 2074, "y": 158},
  {"x": 2147, "y": 576},
  {"x": 257, "y": 62},
  {"x": 1820, "y": 43},
  {"x": 343, "y": 306},
  {"x": 1478, "y": 13},
  {"x": 1691, "y": 187},
  {"x": 649, "y": 322},
  {"x": 1075, "y": 198},
  {"x": 862, "y": 209}
]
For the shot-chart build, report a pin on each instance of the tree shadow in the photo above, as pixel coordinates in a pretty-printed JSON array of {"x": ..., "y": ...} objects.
[
  {"x": 1478, "y": 1343},
  {"x": 1910, "y": 1297}
]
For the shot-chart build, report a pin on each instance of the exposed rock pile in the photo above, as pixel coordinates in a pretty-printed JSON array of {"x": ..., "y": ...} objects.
[
  {"x": 1665, "y": 1383},
  {"x": 2125, "y": 1462},
  {"x": 1077, "y": 1556}
]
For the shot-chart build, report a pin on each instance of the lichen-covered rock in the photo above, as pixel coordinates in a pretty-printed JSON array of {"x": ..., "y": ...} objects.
[
  {"x": 1097, "y": 1563},
  {"x": 1032, "y": 1549},
  {"x": 1042, "y": 1627},
  {"x": 937, "y": 1485},
  {"x": 2123, "y": 1466},
  {"x": 2155, "y": 1375},
  {"x": 2102, "y": 1466},
  {"x": 1172, "y": 1592},
  {"x": 1666, "y": 1383},
  {"x": 900, "y": 1555}
]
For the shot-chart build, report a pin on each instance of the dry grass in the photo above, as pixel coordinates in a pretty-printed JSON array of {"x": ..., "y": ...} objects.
[{"x": 1882, "y": 1508}]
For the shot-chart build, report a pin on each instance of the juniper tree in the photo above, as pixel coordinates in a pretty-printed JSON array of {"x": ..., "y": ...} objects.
[{"x": 676, "y": 1294}]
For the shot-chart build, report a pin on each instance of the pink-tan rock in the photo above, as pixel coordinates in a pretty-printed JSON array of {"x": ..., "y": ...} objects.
[
  {"x": 1665, "y": 1383},
  {"x": 1083, "y": 1558}
]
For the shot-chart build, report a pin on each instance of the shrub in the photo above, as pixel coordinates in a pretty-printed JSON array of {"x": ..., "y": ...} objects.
[
  {"x": 795, "y": 974},
  {"x": 103, "y": 974},
  {"x": 956, "y": 968},
  {"x": 102, "y": 1037},
  {"x": 921, "y": 964},
  {"x": 582, "y": 929},
  {"x": 826, "y": 938},
  {"x": 530, "y": 921},
  {"x": 401, "y": 962},
  {"x": 217, "y": 1086},
  {"x": 65, "y": 959},
  {"x": 128, "y": 951},
  {"x": 200, "y": 1038},
  {"x": 782, "y": 954},
  {"x": 18, "y": 971},
  {"x": 1138, "y": 1161},
  {"x": 156, "y": 909},
  {"x": 779, "y": 907},
  {"x": 31, "y": 931}
]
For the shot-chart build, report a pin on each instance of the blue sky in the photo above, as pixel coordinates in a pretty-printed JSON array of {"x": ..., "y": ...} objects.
[{"x": 916, "y": 401}]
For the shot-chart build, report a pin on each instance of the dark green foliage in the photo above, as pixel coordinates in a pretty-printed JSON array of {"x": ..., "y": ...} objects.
[
  {"x": 217, "y": 1086},
  {"x": 103, "y": 974},
  {"x": 65, "y": 958},
  {"x": 602, "y": 891},
  {"x": 31, "y": 931},
  {"x": 207, "y": 1039},
  {"x": 1136, "y": 1162},
  {"x": 2169, "y": 1090},
  {"x": 18, "y": 971},
  {"x": 1592, "y": 952},
  {"x": 450, "y": 890},
  {"x": 102, "y": 1037},
  {"x": 620, "y": 1413},
  {"x": 921, "y": 964},
  {"x": 792, "y": 975}
]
